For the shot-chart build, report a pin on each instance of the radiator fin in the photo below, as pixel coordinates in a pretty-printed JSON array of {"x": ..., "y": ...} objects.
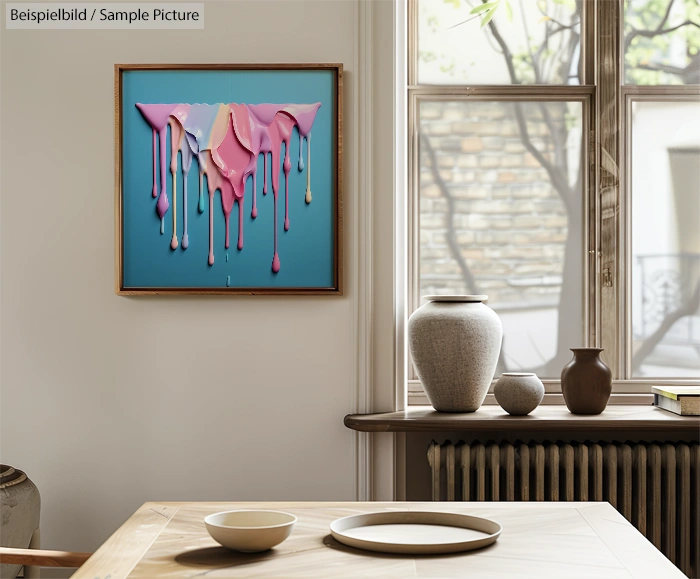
[
  {"x": 596, "y": 468},
  {"x": 654, "y": 486},
  {"x": 567, "y": 463},
  {"x": 654, "y": 512},
  {"x": 695, "y": 508},
  {"x": 639, "y": 488},
  {"x": 610, "y": 472},
  {"x": 668, "y": 493},
  {"x": 508, "y": 470},
  {"x": 683, "y": 461},
  {"x": 581, "y": 482},
  {"x": 537, "y": 453},
  {"x": 450, "y": 458},
  {"x": 494, "y": 462},
  {"x": 479, "y": 470},
  {"x": 624, "y": 496},
  {"x": 524, "y": 456},
  {"x": 466, "y": 470}
]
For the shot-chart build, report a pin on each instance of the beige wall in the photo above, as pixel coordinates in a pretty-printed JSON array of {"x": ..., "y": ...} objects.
[{"x": 109, "y": 401}]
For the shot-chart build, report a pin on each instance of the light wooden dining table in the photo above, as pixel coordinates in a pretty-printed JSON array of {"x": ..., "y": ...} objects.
[{"x": 539, "y": 540}]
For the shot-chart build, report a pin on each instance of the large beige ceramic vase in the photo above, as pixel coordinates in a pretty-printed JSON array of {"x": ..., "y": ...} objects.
[
  {"x": 20, "y": 504},
  {"x": 454, "y": 343}
]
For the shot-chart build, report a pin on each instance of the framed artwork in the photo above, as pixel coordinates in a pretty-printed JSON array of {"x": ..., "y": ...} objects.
[{"x": 228, "y": 179}]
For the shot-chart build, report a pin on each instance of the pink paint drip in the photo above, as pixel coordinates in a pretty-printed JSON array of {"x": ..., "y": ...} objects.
[
  {"x": 215, "y": 180},
  {"x": 254, "y": 211},
  {"x": 155, "y": 165},
  {"x": 240, "y": 223},
  {"x": 286, "y": 127},
  {"x": 253, "y": 135},
  {"x": 265, "y": 178},
  {"x": 211, "y": 224},
  {"x": 232, "y": 158},
  {"x": 280, "y": 131},
  {"x": 157, "y": 116}
]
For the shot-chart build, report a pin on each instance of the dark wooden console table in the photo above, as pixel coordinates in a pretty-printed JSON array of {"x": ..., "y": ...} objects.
[{"x": 627, "y": 422}]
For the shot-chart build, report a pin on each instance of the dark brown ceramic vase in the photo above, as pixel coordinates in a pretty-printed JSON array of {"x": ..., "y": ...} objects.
[{"x": 586, "y": 382}]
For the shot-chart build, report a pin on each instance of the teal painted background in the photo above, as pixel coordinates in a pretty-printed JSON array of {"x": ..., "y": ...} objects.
[{"x": 306, "y": 251}]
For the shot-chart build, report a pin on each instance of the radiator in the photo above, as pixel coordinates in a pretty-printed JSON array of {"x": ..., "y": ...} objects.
[{"x": 655, "y": 486}]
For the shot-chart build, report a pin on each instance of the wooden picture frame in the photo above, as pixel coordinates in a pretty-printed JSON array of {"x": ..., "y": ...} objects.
[{"x": 146, "y": 264}]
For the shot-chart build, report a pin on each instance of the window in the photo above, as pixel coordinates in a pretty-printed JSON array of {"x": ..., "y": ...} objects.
[{"x": 554, "y": 165}]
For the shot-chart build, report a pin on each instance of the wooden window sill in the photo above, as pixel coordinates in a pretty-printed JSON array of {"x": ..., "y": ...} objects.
[{"x": 623, "y": 420}]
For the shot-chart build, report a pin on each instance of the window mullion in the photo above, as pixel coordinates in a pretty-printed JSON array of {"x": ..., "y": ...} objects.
[
  {"x": 609, "y": 272},
  {"x": 588, "y": 43},
  {"x": 412, "y": 22}
]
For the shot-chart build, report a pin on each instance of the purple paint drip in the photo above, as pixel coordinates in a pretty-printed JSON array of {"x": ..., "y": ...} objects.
[
  {"x": 301, "y": 157},
  {"x": 163, "y": 203},
  {"x": 186, "y": 164},
  {"x": 254, "y": 212}
]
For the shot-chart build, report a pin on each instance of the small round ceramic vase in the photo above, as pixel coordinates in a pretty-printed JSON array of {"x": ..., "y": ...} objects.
[
  {"x": 454, "y": 343},
  {"x": 20, "y": 505},
  {"x": 518, "y": 393},
  {"x": 586, "y": 382}
]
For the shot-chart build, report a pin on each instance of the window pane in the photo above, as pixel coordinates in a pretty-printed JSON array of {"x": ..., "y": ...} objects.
[
  {"x": 526, "y": 42},
  {"x": 501, "y": 214},
  {"x": 666, "y": 239},
  {"x": 662, "y": 38}
]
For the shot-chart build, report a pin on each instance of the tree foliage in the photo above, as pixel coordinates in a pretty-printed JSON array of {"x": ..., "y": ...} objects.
[
  {"x": 662, "y": 40},
  {"x": 549, "y": 54}
]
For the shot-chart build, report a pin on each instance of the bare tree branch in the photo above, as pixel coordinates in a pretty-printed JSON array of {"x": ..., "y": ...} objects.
[
  {"x": 653, "y": 33},
  {"x": 666, "y": 15},
  {"x": 535, "y": 63},
  {"x": 558, "y": 176},
  {"x": 689, "y": 74},
  {"x": 559, "y": 181},
  {"x": 507, "y": 54},
  {"x": 558, "y": 140},
  {"x": 654, "y": 67},
  {"x": 467, "y": 274},
  {"x": 551, "y": 34},
  {"x": 464, "y": 21},
  {"x": 488, "y": 37},
  {"x": 547, "y": 15},
  {"x": 659, "y": 30}
]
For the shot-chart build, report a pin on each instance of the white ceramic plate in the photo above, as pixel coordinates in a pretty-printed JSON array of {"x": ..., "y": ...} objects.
[
  {"x": 415, "y": 532},
  {"x": 457, "y": 298}
]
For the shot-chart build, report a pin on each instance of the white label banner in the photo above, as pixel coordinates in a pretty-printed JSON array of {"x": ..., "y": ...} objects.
[{"x": 104, "y": 16}]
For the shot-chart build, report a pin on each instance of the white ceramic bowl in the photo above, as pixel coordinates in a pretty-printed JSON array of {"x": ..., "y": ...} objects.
[{"x": 250, "y": 531}]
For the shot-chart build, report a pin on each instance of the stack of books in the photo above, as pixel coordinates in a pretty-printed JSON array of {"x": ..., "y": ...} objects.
[{"x": 683, "y": 400}]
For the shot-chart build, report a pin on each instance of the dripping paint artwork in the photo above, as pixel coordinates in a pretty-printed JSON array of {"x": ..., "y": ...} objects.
[{"x": 228, "y": 179}]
